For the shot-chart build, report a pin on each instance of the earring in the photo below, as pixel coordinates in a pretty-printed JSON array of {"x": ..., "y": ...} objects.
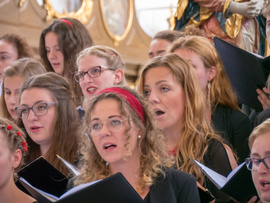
[
  {"x": 208, "y": 94},
  {"x": 139, "y": 137}
]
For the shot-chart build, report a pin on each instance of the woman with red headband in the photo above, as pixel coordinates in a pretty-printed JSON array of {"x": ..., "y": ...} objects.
[
  {"x": 124, "y": 138},
  {"x": 12, "y": 150},
  {"x": 60, "y": 42}
]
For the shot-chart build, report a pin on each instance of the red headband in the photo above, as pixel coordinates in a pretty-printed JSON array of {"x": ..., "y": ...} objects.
[
  {"x": 63, "y": 20},
  {"x": 130, "y": 98}
]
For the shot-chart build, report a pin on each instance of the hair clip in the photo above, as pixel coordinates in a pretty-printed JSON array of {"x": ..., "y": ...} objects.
[
  {"x": 24, "y": 146},
  {"x": 66, "y": 21},
  {"x": 9, "y": 127}
]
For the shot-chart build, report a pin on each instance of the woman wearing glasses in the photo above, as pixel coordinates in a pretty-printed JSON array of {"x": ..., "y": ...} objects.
[
  {"x": 99, "y": 67},
  {"x": 259, "y": 161},
  {"x": 50, "y": 118},
  {"x": 122, "y": 137}
]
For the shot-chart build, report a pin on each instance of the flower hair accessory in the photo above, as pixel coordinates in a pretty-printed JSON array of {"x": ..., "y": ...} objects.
[
  {"x": 109, "y": 53},
  {"x": 9, "y": 127},
  {"x": 24, "y": 146}
]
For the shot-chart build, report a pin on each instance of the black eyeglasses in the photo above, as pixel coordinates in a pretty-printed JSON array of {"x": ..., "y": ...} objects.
[
  {"x": 92, "y": 73},
  {"x": 39, "y": 109},
  {"x": 253, "y": 163}
]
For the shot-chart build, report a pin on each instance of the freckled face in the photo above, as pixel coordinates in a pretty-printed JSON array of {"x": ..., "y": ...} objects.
[{"x": 166, "y": 97}]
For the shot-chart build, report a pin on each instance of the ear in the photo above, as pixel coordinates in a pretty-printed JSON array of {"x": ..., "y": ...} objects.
[
  {"x": 119, "y": 75},
  {"x": 17, "y": 156},
  {"x": 212, "y": 73}
]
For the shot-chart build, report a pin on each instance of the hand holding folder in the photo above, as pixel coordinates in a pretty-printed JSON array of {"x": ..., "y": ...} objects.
[{"x": 247, "y": 71}]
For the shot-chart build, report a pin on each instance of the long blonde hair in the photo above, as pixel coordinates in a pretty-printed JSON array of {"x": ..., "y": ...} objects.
[
  {"x": 196, "y": 131},
  {"x": 153, "y": 155},
  {"x": 25, "y": 68},
  {"x": 221, "y": 91}
]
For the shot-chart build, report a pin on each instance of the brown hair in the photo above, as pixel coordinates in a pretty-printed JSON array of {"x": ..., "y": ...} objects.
[
  {"x": 72, "y": 38},
  {"x": 221, "y": 89},
  {"x": 169, "y": 35},
  {"x": 66, "y": 126},
  {"x": 153, "y": 154},
  {"x": 25, "y": 68},
  {"x": 196, "y": 131},
  {"x": 19, "y": 43}
]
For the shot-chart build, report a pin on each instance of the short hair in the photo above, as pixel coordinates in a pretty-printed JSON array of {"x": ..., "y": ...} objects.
[
  {"x": 66, "y": 121},
  {"x": 112, "y": 57},
  {"x": 261, "y": 129},
  {"x": 169, "y": 35},
  {"x": 19, "y": 43},
  {"x": 25, "y": 68},
  {"x": 72, "y": 38},
  {"x": 153, "y": 154}
]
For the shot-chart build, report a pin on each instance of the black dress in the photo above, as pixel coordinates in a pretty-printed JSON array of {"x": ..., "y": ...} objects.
[{"x": 176, "y": 187}]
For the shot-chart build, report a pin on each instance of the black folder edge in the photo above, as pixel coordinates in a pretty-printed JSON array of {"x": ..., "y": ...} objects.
[
  {"x": 108, "y": 186},
  {"x": 40, "y": 168},
  {"x": 246, "y": 71},
  {"x": 241, "y": 179}
]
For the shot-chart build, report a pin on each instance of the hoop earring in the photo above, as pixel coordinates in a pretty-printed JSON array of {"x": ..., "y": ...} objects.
[{"x": 208, "y": 94}]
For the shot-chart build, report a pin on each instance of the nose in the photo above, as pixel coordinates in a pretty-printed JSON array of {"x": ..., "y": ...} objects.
[
  {"x": 153, "y": 97},
  {"x": 87, "y": 78},
  {"x": 105, "y": 132},
  {"x": 12, "y": 99},
  {"x": 32, "y": 115},
  {"x": 262, "y": 168},
  {"x": 51, "y": 54}
]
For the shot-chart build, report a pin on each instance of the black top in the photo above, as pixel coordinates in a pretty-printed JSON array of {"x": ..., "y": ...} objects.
[
  {"x": 235, "y": 127},
  {"x": 261, "y": 117},
  {"x": 176, "y": 187},
  {"x": 217, "y": 159}
]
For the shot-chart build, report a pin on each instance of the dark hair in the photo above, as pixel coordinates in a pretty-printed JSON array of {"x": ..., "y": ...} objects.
[
  {"x": 19, "y": 43},
  {"x": 66, "y": 121},
  {"x": 73, "y": 37}
]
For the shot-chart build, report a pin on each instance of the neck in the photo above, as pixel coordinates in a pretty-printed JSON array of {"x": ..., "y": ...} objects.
[
  {"x": 44, "y": 149},
  {"x": 171, "y": 137},
  {"x": 11, "y": 194}
]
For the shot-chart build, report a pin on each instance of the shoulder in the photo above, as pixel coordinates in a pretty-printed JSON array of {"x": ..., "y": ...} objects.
[
  {"x": 235, "y": 116},
  {"x": 262, "y": 116}
]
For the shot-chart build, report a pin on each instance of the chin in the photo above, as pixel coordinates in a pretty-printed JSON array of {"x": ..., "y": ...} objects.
[{"x": 265, "y": 197}]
